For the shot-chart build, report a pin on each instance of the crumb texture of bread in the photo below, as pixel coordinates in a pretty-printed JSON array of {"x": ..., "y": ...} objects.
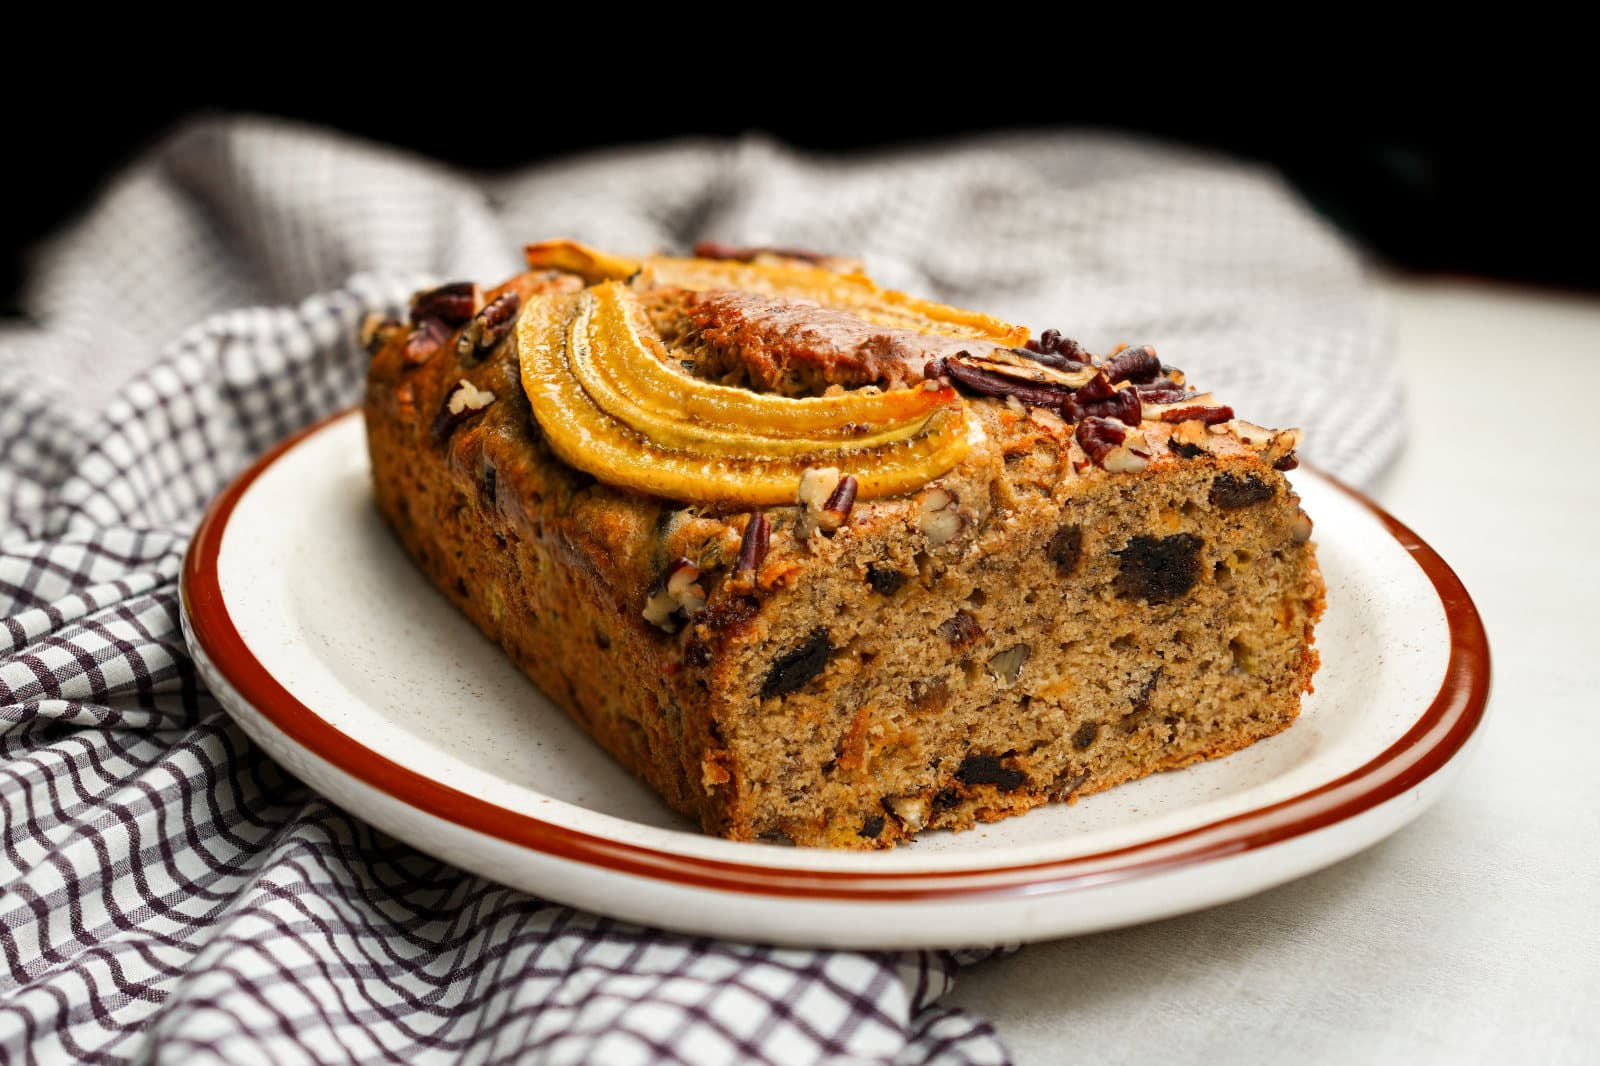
[{"x": 1030, "y": 626}]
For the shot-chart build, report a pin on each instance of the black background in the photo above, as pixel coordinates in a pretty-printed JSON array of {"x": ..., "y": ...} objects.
[{"x": 1436, "y": 181}]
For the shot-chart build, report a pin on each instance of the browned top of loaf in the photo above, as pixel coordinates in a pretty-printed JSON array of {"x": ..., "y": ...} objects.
[
  {"x": 634, "y": 543},
  {"x": 797, "y": 347}
]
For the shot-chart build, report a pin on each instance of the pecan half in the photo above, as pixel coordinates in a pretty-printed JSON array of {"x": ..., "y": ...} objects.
[
  {"x": 1161, "y": 390},
  {"x": 1196, "y": 412},
  {"x": 1098, "y": 387},
  {"x": 451, "y": 304},
  {"x": 1122, "y": 404},
  {"x": 1052, "y": 347},
  {"x": 425, "y": 339},
  {"x": 489, "y": 326},
  {"x": 1097, "y": 436},
  {"x": 1134, "y": 364},
  {"x": 754, "y": 544},
  {"x": 1016, "y": 374},
  {"x": 974, "y": 376},
  {"x": 840, "y": 502}
]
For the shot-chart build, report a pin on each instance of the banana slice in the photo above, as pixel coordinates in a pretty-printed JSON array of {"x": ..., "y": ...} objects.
[
  {"x": 645, "y": 427},
  {"x": 629, "y": 374}
]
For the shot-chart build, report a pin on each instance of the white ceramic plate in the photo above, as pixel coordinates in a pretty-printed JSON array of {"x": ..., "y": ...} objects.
[{"x": 336, "y": 655}]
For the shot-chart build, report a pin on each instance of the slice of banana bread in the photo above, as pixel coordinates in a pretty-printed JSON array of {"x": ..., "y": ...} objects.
[{"x": 1105, "y": 575}]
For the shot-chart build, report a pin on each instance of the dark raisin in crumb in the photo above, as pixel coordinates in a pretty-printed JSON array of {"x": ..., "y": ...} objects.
[
  {"x": 603, "y": 641},
  {"x": 884, "y": 580},
  {"x": 960, "y": 630},
  {"x": 929, "y": 696},
  {"x": 461, "y": 587},
  {"x": 1141, "y": 702},
  {"x": 727, "y": 613},
  {"x": 794, "y": 668},
  {"x": 1230, "y": 493},
  {"x": 1066, "y": 549},
  {"x": 1158, "y": 569},
  {"x": 1187, "y": 451},
  {"x": 872, "y": 826},
  {"x": 1086, "y": 735},
  {"x": 987, "y": 770},
  {"x": 944, "y": 799}
]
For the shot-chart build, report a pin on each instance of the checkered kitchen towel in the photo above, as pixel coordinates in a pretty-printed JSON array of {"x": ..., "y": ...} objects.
[{"x": 167, "y": 893}]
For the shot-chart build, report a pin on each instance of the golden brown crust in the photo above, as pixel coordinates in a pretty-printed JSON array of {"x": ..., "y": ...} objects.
[{"x": 1028, "y": 627}]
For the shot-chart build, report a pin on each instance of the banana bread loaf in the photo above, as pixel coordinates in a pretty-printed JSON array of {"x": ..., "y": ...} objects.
[{"x": 829, "y": 565}]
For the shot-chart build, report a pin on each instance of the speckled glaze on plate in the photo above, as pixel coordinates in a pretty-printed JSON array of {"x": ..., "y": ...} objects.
[{"x": 337, "y": 656}]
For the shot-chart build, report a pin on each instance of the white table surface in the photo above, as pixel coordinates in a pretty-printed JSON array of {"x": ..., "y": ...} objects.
[{"x": 1473, "y": 935}]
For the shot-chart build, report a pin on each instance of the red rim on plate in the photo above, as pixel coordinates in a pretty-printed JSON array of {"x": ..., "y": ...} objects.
[{"x": 1451, "y": 717}]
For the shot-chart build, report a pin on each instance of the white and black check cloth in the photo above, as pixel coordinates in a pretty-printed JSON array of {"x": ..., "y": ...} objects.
[{"x": 167, "y": 894}]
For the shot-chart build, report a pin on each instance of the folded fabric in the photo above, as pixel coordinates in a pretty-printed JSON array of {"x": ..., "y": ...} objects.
[{"x": 166, "y": 892}]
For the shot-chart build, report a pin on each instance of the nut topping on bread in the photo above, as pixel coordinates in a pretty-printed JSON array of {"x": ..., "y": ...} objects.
[
  {"x": 450, "y": 304},
  {"x": 462, "y": 403},
  {"x": 614, "y": 401},
  {"x": 489, "y": 326},
  {"x": 833, "y": 565}
]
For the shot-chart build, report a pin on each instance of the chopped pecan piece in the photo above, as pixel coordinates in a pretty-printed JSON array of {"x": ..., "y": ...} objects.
[
  {"x": 489, "y": 327},
  {"x": 754, "y": 543},
  {"x": 836, "y": 511},
  {"x": 1097, "y": 436},
  {"x": 1122, "y": 405},
  {"x": 425, "y": 339},
  {"x": 451, "y": 304},
  {"x": 1134, "y": 364},
  {"x": 464, "y": 401}
]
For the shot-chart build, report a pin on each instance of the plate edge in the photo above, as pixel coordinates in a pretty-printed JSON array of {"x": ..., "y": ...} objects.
[{"x": 1458, "y": 707}]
